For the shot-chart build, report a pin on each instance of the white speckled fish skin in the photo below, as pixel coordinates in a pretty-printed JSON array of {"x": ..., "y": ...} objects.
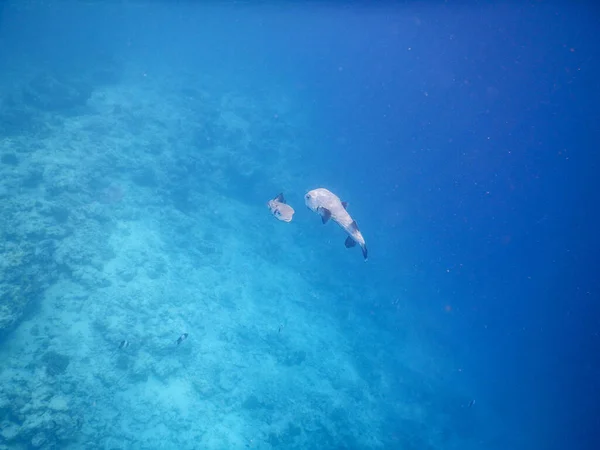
[
  {"x": 282, "y": 211},
  {"x": 323, "y": 198}
]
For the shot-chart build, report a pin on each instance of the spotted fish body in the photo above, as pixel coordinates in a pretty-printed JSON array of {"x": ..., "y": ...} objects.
[
  {"x": 329, "y": 206},
  {"x": 280, "y": 209}
]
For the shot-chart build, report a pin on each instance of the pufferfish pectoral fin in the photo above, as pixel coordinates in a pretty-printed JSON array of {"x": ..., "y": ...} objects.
[
  {"x": 349, "y": 242},
  {"x": 325, "y": 214}
]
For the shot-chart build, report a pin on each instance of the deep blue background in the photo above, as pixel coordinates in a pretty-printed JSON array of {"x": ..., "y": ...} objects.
[
  {"x": 472, "y": 132},
  {"x": 485, "y": 136},
  {"x": 467, "y": 138}
]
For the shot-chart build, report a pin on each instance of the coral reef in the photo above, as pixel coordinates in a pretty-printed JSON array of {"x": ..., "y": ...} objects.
[
  {"x": 129, "y": 214},
  {"x": 26, "y": 269},
  {"x": 48, "y": 93}
]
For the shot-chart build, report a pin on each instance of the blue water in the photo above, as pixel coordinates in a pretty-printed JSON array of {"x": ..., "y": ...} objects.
[{"x": 139, "y": 145}]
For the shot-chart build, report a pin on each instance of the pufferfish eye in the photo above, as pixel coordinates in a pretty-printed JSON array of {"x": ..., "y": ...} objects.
[{"x": 307, "y": 196}]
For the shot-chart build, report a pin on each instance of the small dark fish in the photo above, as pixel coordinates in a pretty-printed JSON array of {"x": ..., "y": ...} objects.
[
  {"x": 471, "y": 403},
  {"x": 124, "y": 344},
  {"x": 182, "y": 338}
]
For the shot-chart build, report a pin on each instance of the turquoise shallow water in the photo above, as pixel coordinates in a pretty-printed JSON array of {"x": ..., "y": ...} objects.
[
  {"x": 139, "y": 145},
  {"x": 147, "y": 239}
]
